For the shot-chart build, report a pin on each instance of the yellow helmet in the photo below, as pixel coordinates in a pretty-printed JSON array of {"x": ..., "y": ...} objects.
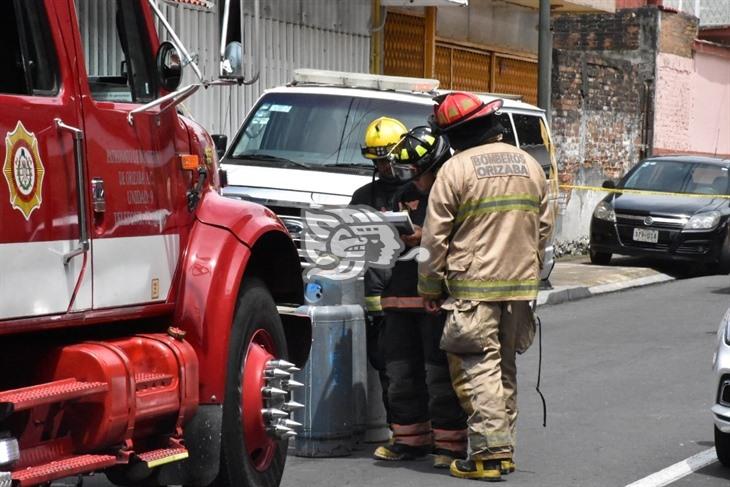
[{"x": 381, "y": 136}]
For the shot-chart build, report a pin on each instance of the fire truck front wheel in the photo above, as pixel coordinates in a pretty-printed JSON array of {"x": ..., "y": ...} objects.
[{"x": 254, "y": 442}]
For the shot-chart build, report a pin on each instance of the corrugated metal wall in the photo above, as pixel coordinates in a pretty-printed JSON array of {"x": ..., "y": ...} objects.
[
  {"x": 286, "y": 45},
  {"x": 102, "y": 48}
]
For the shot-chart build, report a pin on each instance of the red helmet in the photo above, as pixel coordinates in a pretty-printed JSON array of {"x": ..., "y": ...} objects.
[{"x": 457, "y": 108}]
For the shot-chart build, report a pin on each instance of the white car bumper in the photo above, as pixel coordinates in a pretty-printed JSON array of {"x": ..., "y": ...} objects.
[{"x": 721, "y": 367}]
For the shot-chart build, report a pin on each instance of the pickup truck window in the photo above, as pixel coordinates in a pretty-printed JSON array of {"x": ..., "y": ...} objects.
[
  {"x": 365, "y": 110},
  {"x": 316, "y": 129},
  {"x": 508, "y": 136},
  {"x": 532, "y": 136},
  {"x": 117, "y": 50},
  {"x": 28, "y": 54}
]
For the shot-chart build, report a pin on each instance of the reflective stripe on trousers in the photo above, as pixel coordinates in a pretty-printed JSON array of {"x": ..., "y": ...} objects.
[{"x": 418, "y": 434}]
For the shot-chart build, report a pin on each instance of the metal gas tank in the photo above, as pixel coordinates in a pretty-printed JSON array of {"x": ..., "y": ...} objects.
[{"x": 335, "y": 380}]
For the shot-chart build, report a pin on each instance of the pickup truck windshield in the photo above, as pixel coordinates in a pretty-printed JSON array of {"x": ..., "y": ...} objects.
[
  {"x": 679, "y": 177},
  {"x": 317, "y": 130}
]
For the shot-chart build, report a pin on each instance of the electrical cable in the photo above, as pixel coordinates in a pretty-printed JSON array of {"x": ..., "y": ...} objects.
[{"x": 539, "y": 370}]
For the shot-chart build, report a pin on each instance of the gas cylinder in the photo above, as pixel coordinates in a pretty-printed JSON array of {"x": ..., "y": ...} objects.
[{"x": 335, "y": 377}]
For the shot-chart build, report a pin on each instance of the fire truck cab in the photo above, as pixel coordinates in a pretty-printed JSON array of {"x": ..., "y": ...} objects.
[{"x": 148, "y": 325}]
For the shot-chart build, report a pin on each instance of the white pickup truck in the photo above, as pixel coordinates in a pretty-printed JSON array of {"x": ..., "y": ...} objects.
[{"x": 299, "y": 146}]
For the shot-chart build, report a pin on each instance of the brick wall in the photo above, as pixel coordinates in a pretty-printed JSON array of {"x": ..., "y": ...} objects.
[
  {"x": 603, "y": 70},
  {"x": 677, "y": 33},
  {"x": 674, "y": 103},
  {"x": 621, "y": 4}
]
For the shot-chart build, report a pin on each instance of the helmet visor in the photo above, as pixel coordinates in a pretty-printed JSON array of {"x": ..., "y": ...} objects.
[{"x": 404, "y": 172}]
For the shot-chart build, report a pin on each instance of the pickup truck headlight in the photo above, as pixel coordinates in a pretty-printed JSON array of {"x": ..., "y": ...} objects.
[
  {"x": 703, "y": 221},
  {"x": 604, "y": 211}
]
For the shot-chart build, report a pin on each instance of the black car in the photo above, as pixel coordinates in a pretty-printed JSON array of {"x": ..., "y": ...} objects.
[{"x": 689, "y": 223}]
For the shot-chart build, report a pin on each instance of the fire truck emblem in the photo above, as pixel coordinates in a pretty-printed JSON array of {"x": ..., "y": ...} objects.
[{"x": 23, "y": 170}]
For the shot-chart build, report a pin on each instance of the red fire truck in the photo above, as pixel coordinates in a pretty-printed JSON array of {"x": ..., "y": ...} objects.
[{"x": 148, "y": 324}]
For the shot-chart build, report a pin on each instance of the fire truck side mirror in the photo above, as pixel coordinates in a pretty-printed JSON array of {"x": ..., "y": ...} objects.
[
  {"x": 232, "y": 65},
  {"x": 169, "y": 67},
  {"x": 221, "y": 144},
  {"x": 234, "y": 16}
]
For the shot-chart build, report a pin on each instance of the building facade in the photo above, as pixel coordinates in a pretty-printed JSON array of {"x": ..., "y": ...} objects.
[
  {"x": 629, "y": 85},
  {"x": 487, "y": 46}
]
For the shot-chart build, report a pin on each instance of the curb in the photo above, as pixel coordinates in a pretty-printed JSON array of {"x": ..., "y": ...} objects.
[{"x": 568, "y": 294}]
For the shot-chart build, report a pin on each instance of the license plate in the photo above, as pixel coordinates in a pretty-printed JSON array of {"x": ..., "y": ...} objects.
[{"x": 645, "y": 235}]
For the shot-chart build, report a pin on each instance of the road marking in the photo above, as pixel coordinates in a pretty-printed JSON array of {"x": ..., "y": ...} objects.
[{"x": 678, "y": 470}]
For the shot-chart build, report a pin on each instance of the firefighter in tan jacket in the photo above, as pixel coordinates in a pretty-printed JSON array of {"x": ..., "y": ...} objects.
[{"x": 487, "y": 224}]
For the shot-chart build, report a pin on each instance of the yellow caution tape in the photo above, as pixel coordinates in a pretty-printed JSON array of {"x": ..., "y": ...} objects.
[{"x": 643, "y": 192}]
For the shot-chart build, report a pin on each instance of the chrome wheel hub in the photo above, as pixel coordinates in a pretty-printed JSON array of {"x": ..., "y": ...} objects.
[{"x": 278, "y": 405}]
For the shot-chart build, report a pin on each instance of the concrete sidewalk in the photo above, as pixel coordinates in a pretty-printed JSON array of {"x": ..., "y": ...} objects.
[{"x": 576, "y": 278}]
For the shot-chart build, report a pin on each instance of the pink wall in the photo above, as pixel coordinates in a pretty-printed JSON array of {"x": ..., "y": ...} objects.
[
  {"x": 692, "y": 108},
  {"x": 711, "y": 121}
]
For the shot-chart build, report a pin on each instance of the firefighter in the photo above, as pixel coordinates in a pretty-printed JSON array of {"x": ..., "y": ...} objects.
[
  {"x": 487, "y": 225},
  {"x": 425, "y": 414},
  {"x": 381, "y": 136}
]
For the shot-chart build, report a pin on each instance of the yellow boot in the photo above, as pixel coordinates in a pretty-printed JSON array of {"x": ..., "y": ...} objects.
[
  {"x": 507, "y": 466},
  {"x": 489, "y": 470}
]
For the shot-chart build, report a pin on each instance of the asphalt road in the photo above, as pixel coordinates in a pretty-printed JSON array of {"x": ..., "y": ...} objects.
[{"x": 628, "y": 381}]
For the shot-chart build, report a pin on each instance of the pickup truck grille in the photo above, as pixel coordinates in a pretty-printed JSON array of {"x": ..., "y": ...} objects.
[{"x": 292, "y": 218}]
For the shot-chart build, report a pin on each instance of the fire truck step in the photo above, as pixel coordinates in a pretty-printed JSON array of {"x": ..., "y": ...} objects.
[
  {"x": 147, "y": 380},
  {"x": 51, "y": 392},
  {"x": 155, "y": 458},
  {"x": 62, "y": 468}
]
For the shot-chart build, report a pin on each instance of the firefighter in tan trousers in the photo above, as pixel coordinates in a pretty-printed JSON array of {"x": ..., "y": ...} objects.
[{"x": 487, "y": 224}]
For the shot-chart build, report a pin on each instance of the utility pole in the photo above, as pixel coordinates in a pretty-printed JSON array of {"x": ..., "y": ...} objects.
[{"x": 544, "y": 58}]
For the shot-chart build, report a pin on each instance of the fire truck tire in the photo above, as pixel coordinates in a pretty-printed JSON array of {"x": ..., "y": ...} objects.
[{"x": 256, "y": 321}]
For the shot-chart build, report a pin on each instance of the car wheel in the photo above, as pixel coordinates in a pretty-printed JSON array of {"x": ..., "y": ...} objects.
[
  {"x": 250, "y": 455},
  {"x": 600, "y": 258},
  {"x": 724, "y": 263},
  {"x": 722, "y": 447}
]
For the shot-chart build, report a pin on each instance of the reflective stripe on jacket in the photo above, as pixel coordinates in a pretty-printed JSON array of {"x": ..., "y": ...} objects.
[{"x": 487, "y": 225}]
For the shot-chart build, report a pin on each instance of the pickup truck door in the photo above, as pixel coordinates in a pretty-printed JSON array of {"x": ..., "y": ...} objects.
[
  {"x": 132, "y": 162},
  {"x": 44, "y": 265}
]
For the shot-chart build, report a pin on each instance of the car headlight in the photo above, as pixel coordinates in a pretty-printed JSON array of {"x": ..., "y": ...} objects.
[
  {"x": 703, "y": 221},
  {"x": 604, "y": 211}
]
